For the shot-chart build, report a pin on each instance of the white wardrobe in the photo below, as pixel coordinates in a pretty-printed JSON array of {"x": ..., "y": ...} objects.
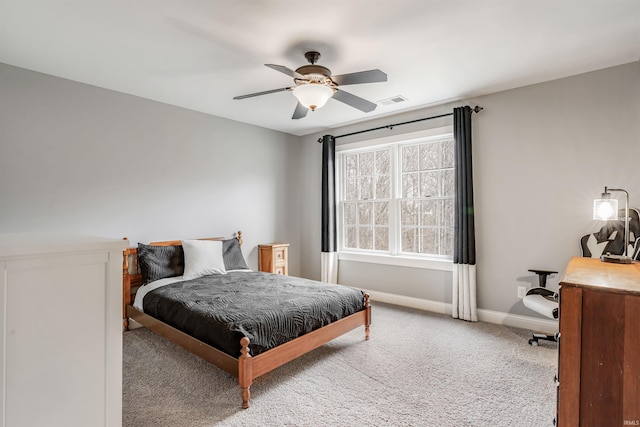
[{"x": 61, "y": 330}]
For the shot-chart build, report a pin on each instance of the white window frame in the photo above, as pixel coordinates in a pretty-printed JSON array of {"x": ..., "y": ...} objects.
[{"x": 395, "y": 258}]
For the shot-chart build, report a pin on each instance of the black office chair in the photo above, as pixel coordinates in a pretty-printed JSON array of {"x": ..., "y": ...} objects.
[
  {"x": 542, "y": 301},
  {"x": 610, "y": 238}
]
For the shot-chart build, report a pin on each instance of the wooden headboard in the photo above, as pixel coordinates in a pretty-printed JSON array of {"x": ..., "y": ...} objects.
[{"x": 132, "y": 277}]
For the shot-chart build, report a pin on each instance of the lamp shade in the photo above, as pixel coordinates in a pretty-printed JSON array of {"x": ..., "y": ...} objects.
[
  {"x": 313, "y": 95},
  {"x": 605, "y": 209}
]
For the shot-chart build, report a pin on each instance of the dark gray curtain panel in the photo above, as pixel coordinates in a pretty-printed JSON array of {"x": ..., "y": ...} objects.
[
  {"x": 464, "y": 231},
  {"x": 328, "y": 194},
  {"x": 464, "y": 252},
  {"x": 329, "y": 256}
]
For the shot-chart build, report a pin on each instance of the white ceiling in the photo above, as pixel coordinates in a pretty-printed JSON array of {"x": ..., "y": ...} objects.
[{"x": 199, "y": 54}]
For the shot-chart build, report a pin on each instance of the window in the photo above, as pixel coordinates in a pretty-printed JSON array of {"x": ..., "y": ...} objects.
[{"x": 398, "y": 198}]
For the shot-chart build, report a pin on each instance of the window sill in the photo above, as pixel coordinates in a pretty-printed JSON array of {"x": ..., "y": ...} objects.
[{"x": 399, "y": 260}]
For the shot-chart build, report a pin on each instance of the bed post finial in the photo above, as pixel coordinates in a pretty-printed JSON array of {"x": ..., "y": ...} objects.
[
  {"x": 245, "y": 371},
  {"x": 126, "y": 286},
  {"x": 239, "y": 236},
  {"x": 125, "y": 261}
]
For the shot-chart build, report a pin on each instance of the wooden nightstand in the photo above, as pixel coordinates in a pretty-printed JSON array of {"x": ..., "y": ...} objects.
[{"x": 274, "y": 258}]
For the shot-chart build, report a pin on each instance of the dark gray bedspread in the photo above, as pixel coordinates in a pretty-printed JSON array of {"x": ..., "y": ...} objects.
[{"x": 269, "y": 309}]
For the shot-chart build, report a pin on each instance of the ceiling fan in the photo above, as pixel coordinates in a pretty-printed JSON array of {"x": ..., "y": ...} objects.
[{"x": 314, "y": 85}]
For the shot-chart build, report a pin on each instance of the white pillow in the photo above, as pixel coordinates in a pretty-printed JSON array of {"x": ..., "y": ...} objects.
[{"x": 202, "y": 257}]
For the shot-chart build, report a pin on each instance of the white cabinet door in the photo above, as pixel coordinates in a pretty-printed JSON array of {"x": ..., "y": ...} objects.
[{"x": 62, "y": 348}]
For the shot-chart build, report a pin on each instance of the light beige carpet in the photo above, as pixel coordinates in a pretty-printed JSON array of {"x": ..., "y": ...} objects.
[{"x": 418, "y": 369}]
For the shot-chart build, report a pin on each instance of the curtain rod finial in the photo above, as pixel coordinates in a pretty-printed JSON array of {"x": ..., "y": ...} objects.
[{"x": 477, "y": 109}]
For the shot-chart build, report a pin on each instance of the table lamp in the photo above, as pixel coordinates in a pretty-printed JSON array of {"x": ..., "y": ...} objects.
[{"x": 606, "y": 208}]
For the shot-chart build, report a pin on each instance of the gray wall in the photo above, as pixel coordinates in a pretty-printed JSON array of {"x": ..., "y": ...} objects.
[
  {"x": 78, "y": 158},
  {"x": 542, "y": 153}
]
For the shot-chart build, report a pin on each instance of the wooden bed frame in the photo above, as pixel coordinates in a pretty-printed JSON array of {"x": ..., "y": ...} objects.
[{"x": 246, "y": 367}]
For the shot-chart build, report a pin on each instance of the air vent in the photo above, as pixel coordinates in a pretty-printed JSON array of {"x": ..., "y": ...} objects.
[{"x": 393, "y": 100}]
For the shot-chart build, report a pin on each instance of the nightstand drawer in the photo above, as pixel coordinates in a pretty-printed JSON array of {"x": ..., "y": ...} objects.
[{"x": 280, "y": 256}]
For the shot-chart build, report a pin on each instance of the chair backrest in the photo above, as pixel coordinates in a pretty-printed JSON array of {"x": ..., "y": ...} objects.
[
  {"x": 610, "y": 238},
  {"x": 636, "y": 250}
]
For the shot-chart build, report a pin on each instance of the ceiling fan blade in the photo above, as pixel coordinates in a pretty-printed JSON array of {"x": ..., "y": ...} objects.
[
  {"x": 285, "y": 70},
  {"x": 354, "y": 101},
  {"x": 300, "y": 112},
  {"x": 371, "y": 76},
  {"x": 266, "y": 92}
]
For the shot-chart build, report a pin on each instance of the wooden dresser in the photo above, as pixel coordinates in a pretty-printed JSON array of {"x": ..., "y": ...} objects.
[
  {"x": 274, "y": 258},
  {"x": 60, "y": 330},
  {"x": 599, "y": 346}
]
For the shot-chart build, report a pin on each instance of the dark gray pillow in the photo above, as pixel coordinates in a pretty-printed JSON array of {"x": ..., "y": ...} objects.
[
  {"x": 158, "y": 262},
  {"x": 232, "y": 255}
]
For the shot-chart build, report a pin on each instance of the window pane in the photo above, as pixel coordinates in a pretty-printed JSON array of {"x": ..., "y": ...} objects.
[
  {"x": 365, "y": 235},
  {"x": 410, "y": 185},
  {"x": 381, "y": 213},
  {"x": 448, "y": 154},
  {"x": 446, "y": 241},
  {"x": 448, "y": 183},
  {"x": 409, "y": 239},
  {"x": 366, "y": 163},
  {"x": 383, "y": 187},
  {"x": 430, "y": 240},
  {"x": 366, "y": 188},
  {"x": 381, "y": 238},
  {"x": 429, "y": 184},
  {"x": 350, "y": 238},
  {"x": 351, "y": 165},
  {"x": 429, "y": 212},
  {"x": 429, "y": 156},
  {"x": 447, "y": 212},
  {"x": 409, "y": 212},
  {"x": 410, "y": 158},
  {"x": 351, "y": 189},
  {"x": 382, "y": 163},
  {"x": 364, "y": 214},
  {"x": 350, "y": 213}
]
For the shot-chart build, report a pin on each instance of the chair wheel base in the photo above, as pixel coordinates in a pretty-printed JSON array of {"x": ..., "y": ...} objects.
[{"x": 536, "y": 337}]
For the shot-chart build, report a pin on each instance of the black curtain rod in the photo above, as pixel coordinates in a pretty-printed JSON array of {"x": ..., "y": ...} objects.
[{"x": 475, "y": 109}]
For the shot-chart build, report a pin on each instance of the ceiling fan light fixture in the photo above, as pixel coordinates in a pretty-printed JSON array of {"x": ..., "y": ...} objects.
[{"x": 313, "y": 95}]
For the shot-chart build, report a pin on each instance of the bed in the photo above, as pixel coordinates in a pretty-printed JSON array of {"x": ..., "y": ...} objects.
[{"x": 245, "y": 322}]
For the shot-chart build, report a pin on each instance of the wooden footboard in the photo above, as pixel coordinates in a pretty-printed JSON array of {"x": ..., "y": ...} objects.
[
  {"x": 246, "y": 367},
  {"x": 192, "y": 345}
]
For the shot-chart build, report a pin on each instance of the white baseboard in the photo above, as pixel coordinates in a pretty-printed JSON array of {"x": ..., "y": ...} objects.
[
  {"x": 490, "y": 316},
  {"x": 404, "y": 301},
  {"x": 518, "y": 321}
]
